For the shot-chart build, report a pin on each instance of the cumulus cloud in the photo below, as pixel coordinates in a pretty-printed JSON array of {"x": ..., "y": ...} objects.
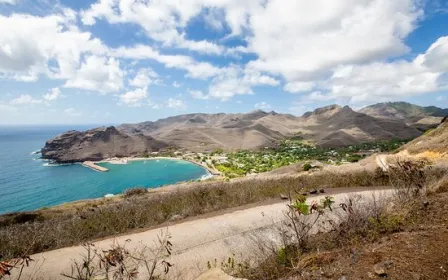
[
  {"x": 195, "y": 69},
  {"x": 176, "y": 104},
  {"x": 98, "y": 74},
  {"x": 295, "y": 87},
  {"x": 313, "y": 37},
  {"x": 12, "y": 2},
  {"x": 25, "y": 99},
  {"x": 161, "y": 20},
  {"x": 346, "y": 50},
  {"x": 262, "y": 106},
  {"x": 382, "y": 81},
  {"x": 52, "y": 95},
  {"x": 134, "y": 98},
  {"x": 52, "y": 45},
  {"x": 198, "y": 94},
  {"x": 176, "y": 84},
  {"x": 144, "y": 78},
  {"x": 234, "y": 80}
]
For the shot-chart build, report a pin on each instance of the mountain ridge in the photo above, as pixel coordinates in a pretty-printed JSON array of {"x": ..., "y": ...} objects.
[
  {"x": 330, "y": 126},
  {"x": 421, "y": 117}
]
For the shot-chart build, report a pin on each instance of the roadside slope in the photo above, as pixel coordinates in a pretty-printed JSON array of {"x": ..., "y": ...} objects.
[{"x": 195, "y": 242}]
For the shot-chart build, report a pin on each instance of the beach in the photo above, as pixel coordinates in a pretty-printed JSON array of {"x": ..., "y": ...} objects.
[{"x": 124, "y": 160}]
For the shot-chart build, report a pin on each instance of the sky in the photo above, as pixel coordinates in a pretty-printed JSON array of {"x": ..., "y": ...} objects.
[{"x": 117, "y": 61}]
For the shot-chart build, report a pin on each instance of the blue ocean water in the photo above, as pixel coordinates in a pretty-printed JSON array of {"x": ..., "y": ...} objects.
[{"x": 28, "y": 183}]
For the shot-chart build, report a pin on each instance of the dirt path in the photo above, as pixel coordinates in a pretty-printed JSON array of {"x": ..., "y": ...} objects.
[
  {"x": 195, "y": 242},
  {"x": 381, "y": 161}
]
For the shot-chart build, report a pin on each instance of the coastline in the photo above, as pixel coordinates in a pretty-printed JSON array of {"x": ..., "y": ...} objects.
[{"x": 124, "y": 160}]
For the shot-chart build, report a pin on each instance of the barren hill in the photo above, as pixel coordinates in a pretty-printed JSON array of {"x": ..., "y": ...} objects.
[
  {"x": 97, "y": 144},
  {"x": 329, "y": 126},
  {"x": 340, "y": 126},
  {"x": 418, "y": 116},
  {"x": 435, "y": 140}
]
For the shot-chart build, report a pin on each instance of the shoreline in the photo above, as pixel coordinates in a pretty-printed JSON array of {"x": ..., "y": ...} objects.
[{"x": 125, "y": 160}]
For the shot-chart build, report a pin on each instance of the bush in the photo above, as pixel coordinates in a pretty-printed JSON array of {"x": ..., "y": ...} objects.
[
  {"x": 135, "y": 192},
  {"x": 77, "y": 223},
  {"x": 307, "y": 166}
]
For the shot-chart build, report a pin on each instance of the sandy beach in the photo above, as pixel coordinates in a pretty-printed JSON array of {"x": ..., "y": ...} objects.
[{"x": 125, "y": 160}]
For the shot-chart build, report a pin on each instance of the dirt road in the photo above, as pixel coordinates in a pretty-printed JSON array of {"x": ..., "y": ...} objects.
[{"x": 195, "y": 242}]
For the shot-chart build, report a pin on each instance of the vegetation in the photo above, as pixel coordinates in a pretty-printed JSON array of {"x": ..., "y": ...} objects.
[
  {"x": 350, "y": 225},
  {"x": 117, "y": 263},
  {"x": 307, "y": 166},
  {"x": 44, "y": 230},
  {"x": 134, "y": 191},
  {"x": 294, "y": 151}
]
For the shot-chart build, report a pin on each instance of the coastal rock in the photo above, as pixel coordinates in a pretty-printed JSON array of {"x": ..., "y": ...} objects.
[{"x": 97, "y": 144}]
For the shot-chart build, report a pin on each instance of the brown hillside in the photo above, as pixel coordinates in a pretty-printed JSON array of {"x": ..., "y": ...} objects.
[
  {"x": 435, "y": 140},
  {"x": 330, "y": 126},
  {"x": 97, "y": 144}
]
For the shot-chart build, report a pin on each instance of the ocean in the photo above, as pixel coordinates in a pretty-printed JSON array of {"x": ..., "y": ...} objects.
[{"x": 28, "y": 182}]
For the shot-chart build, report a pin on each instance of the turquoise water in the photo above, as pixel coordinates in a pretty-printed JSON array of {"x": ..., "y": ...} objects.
[{"x": 27, "y": 182}]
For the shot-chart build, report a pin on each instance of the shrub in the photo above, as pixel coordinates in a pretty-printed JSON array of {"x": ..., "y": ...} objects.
[
  {"x": 78, "y": 223},
  {"x": 307, "y": 166},
  {"x": 134, "y": 192}
]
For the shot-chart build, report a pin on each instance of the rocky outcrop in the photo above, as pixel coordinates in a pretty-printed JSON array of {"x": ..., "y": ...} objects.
[{"x": 98, "y": 144}]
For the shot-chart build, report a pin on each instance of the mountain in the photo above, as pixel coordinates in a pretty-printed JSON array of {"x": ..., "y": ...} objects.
[
  {"x": 335, "y": 126},
  {"x": 420, "y": 117},
  {"x": 435, "y": 140},
  {"x": 97, "y": 144},
  {"x": 330, "y": 126},
  {"x": 199, "y": 132}
]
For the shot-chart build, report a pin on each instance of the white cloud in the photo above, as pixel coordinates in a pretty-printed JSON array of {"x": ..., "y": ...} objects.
[
  {"x": 25, "y": 99},
  {"x": 262, "y": 106},
  {"x": 382, "y": 81},
  {"x": 54, "y": 94},
  {"x": 234, "y": 80},
  {"x": 195, "y": 69},
  {"x": 160, "y": 20},
  {"x": 98, "y": 74},
  {"x": 295, "y": 87},
  {"x": 154, "y": 105},
  {"x": 313, "y": 37},
  {"x": 177, "y": 104},
  {"x": 144, "y": 78},
  {"x": 436, "y": 57},
  {"x": 72, "y": 112},
  {"x": 214, "y": 18},
  {"x": 135, "y": 97},
  {"x": 176, "y": 84},
  {"x": 52, "y": 45},
  {"x": 12, "y": 2},
  {"x": 197, "y": 94}
]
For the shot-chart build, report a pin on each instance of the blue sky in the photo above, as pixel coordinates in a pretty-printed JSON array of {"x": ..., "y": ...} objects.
[{"x": 115, "y": 61}]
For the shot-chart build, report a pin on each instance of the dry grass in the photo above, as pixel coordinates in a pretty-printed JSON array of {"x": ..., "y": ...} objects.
[
  {"x": 134, "y": 192},
  {"x": 435, "y": 140},
  {"x": 42, "y": 230},
  {"x": 353, "y": 224}
]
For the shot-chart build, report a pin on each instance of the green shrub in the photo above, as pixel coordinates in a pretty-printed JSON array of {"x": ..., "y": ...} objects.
[{"x": 307, "y": 167}]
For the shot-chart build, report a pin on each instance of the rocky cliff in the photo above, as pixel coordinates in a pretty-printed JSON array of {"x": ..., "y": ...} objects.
[{"x": 97, "y": 144}]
